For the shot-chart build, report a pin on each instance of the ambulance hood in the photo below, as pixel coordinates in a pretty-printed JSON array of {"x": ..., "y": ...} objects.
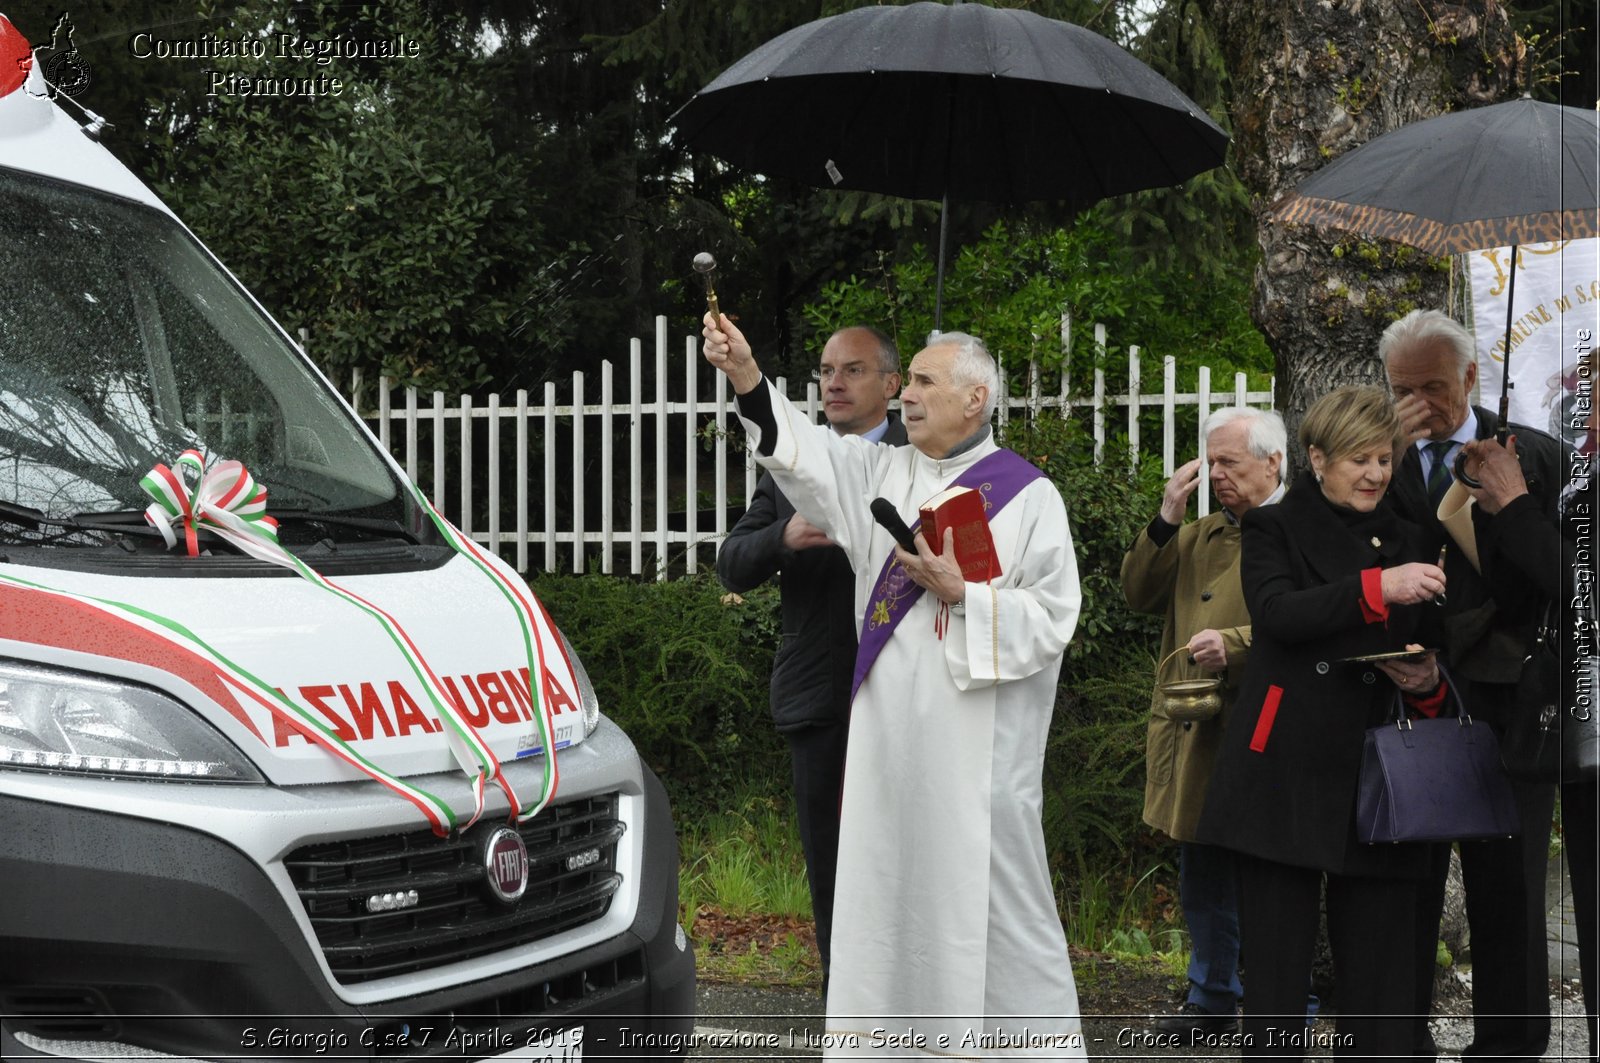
[{"x": 335, "y": 663}]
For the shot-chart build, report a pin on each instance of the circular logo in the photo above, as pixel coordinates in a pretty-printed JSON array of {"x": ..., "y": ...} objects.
[
  {"x": 68, "y": 72},
  {"x": 505, "y": 864}
]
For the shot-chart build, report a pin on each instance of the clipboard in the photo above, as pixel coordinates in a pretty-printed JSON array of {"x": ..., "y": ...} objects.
[{"x": 1391, "y": 655}]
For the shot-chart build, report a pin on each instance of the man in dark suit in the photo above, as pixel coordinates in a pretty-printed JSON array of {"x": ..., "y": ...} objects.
[
  {"x": 1431, "y": 365},
  {"x": 811, "y": 674}
]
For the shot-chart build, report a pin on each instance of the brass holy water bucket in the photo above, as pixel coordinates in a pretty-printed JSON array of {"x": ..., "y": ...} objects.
[{"x": 1189, "y": 700}]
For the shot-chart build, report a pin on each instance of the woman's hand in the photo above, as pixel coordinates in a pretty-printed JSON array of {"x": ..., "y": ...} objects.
[
  {"x": 1412, "y": 583},
  {"x": 1413, "y": 677}
]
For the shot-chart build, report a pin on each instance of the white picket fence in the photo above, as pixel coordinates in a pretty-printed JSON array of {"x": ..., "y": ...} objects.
[{"x": 494, "y": 465}]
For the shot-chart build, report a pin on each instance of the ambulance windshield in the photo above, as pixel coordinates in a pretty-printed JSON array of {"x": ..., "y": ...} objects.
[{"x": 123, "y": 345}]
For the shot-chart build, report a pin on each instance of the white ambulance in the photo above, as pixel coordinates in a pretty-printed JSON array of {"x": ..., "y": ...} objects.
[{"x": 282, "y": 774}]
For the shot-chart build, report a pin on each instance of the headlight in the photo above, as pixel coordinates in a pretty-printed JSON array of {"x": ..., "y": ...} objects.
[
  {"x": 59, "y": 721},
  {"x": 588, "y": 700}
]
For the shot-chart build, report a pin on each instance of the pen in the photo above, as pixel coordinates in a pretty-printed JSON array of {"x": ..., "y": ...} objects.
[{"x": 1443, "y": 549}]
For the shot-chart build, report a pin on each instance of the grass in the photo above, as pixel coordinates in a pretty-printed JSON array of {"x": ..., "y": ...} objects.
[
  {"x": 745, "y": 860},
  {"x": 732, "y": 879},
  {"x": 744, "y": 899},
  {"x": 1127, "y": 920},
  {"x": 743, "y": 895},
  {"x": 1127, "y": 926}
]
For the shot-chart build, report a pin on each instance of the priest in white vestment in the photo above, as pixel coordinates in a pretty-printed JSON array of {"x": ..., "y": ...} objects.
[{"x": 946, "y": 937}]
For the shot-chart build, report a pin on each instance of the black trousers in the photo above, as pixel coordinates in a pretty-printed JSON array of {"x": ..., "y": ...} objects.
[
  {"x": 1580, "y": 833},
  {"x": 817, "y": 754},
  {"x": 1504, "y": 881},
  {"x": 1371, "y": 923}
]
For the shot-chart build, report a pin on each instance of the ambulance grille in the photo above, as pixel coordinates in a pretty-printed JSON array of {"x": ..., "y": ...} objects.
[{"x": 572, "y": 860}]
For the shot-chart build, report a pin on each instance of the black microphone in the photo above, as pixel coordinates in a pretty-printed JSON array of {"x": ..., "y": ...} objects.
[{"x": 888, "y": 519}]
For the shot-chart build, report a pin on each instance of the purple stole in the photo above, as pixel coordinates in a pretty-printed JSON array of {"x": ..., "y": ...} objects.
[{"x": 1000, "y": 477}]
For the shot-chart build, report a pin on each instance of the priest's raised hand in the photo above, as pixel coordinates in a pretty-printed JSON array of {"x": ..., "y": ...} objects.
[{"x": 726, "y": 348}]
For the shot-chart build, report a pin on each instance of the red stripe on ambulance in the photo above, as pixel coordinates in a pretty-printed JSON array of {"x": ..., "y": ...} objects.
[{"x": 44, "y": 619}]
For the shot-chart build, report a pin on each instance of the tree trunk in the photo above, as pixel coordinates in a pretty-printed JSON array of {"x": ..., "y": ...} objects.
[{"x": 1310, "y": 80}]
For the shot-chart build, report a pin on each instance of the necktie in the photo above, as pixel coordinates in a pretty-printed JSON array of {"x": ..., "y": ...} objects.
[{"x": 1439, "y": 476}]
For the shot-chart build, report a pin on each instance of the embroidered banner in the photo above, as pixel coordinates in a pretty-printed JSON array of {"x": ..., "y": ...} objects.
[
  {"x": 1000, "y": 477},
  {"x": 1556, "y": 316}
]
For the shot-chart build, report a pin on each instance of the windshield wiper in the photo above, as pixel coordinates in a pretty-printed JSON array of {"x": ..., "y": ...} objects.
[
  {"x": 37, "y": 520},
  {"x": 27, "y": 516},
  {"x": 383, "y": 527},
  {"x": 122, "y": 521},
  {"x": 132, "y": 522}
]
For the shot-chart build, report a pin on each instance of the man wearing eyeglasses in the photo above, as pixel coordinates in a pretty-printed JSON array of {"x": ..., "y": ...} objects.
[{"x": 811, "y": 674}]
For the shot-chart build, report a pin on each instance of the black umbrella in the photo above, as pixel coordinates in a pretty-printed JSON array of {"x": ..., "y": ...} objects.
[
  {"x": 930, "y": 101},
  {"x": 1511, "y": 173}
]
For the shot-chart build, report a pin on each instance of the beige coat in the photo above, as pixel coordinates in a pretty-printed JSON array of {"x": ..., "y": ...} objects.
[{"x": 1193, "y": 581}]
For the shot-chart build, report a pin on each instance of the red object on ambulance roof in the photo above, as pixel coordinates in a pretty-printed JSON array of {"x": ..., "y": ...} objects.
[{"x": 16, "y": 57}]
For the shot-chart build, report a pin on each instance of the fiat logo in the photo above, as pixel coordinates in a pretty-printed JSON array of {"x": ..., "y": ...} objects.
[{"x": 505, "y": 864}]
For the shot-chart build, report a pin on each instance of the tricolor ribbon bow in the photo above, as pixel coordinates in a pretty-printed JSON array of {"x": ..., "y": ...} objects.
[{"x": 225, "y": 498}]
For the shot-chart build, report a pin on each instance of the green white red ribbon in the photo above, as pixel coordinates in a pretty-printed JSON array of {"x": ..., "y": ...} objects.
[
  {"x": 439, "y": 815},
  {"x": 227, "y": 501},
  {"x": 523, "y": 604}
]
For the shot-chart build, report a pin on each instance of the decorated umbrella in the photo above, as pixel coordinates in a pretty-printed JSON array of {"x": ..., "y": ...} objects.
[
  {"x": 933, "y": 101},
  {"x": 1511, "y": 173}
]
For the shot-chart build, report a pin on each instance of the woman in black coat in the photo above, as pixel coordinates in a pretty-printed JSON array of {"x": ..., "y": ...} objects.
[
  {"x": 1550, "y": 558},
  {"x": 1328, "y": 574}
]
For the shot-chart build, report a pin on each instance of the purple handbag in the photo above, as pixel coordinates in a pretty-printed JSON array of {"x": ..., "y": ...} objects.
[{"x": 1433, "y": 780}]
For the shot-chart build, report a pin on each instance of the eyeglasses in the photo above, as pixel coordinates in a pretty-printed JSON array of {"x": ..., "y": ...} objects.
[{"x": 851, "y": 373}]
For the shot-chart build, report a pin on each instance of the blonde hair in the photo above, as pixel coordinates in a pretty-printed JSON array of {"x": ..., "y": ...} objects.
[{"x": 1350, "y": 419}]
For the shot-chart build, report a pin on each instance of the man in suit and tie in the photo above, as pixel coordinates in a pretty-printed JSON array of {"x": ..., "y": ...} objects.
[
  {"x": 812, "y": 672},
  {"x": 1430, "y": 362}
]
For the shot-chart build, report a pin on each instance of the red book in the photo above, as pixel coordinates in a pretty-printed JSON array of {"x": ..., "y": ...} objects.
[{"x": 960, "y": 509}]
